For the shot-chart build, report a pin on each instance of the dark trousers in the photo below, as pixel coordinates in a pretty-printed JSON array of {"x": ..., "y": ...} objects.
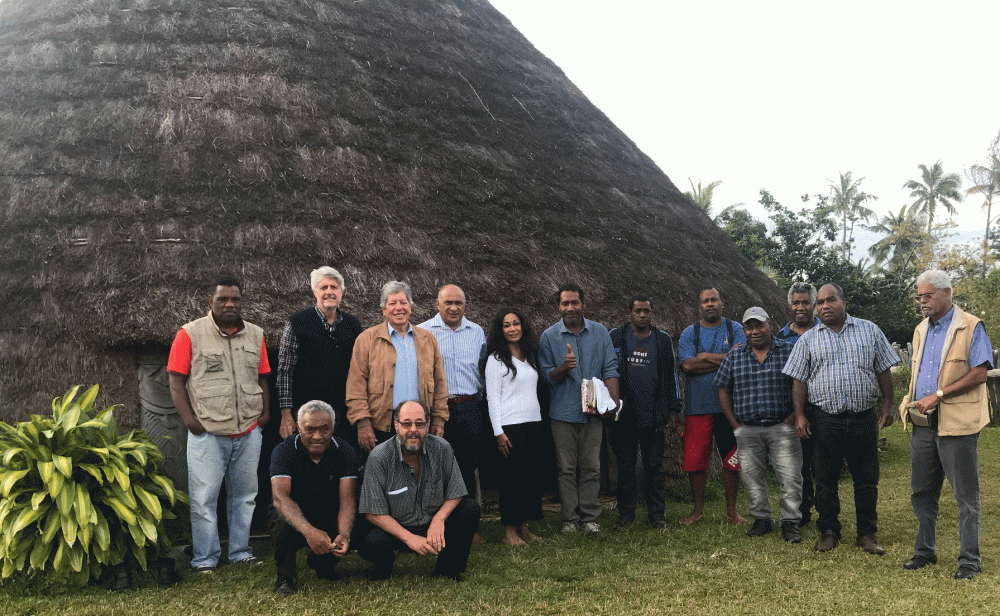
[
  {"x": 381, "y": 548},
  {"x": 288, "y": 541},
  {"x": 520, "y": 479},
  {"x": 854, "y": 437},
  {"x": 626, "y": 442},
  {"x": 932, "y": 459},
  {"x": 462, "y": 432},
  {"x": 808, "y": 489}
]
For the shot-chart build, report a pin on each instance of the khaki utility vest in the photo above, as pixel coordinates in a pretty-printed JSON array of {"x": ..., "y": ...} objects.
[
  {"x": 959, "y": 414},
  {"x": 223, "y": 386}
]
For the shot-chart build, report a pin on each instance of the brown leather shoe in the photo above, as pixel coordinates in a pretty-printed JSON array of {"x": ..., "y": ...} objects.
[
  {"x": 829, "y": 540},
  {"x": 869, "y": 544}
]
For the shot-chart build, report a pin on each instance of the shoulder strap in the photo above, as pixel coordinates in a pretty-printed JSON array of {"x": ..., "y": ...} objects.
[
  {"x": 729, "y": 330},
  {"x": 697, "y": 337}
]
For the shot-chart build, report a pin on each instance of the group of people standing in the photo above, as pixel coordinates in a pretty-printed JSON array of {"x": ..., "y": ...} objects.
[{"x": 386, "y": 421}]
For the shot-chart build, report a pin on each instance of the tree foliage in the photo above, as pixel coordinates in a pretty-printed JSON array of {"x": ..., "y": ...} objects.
[{"x": 934, "y": 188}]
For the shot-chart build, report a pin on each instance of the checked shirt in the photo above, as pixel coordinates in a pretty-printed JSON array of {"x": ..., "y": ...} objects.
[
  {"x": 762, "y": 394},
  {"x": 841, "y": 370}
]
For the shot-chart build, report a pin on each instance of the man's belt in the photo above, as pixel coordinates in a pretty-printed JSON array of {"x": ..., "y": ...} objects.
[{"x": 463, "y": 399}]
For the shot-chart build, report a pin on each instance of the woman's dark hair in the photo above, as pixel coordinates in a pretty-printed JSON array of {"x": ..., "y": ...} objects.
[{"x": 497, "y": 345}]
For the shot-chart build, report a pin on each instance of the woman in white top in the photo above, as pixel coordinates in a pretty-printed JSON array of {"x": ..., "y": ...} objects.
[{"x": 511, "y": 390}]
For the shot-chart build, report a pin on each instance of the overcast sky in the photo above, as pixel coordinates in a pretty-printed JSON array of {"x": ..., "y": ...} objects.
[{"x": 784, "y": 95}]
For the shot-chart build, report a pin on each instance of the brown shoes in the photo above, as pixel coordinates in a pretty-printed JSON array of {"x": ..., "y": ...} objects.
[
  {"x": 829, "y": 540},
  {"x": 869, "y": 544}
]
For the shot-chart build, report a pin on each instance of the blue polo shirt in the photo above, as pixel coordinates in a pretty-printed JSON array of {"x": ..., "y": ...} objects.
[{"x": 595, "y": 359}]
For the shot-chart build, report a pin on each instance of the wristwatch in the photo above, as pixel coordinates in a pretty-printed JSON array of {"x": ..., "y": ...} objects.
[{"x": 940, "y": 394}]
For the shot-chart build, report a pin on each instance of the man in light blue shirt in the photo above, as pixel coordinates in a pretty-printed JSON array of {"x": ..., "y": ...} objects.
[
  {"x": 948, "y": 405},
  {"x": 570, "y": 351},
  {"x": 461, "y": 342}
]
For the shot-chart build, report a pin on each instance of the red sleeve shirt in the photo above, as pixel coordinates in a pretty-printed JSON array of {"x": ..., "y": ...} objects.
[{"x": 179, "y": 361}]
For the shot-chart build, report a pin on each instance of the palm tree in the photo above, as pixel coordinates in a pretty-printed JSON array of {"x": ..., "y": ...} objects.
[
  {"x": 846, "y": 198},
  {"x": 904, "y": 243},
  {"x": 702, "y": 196},
  {"x": 934, "y": 188},
  {"x": 987, "y": 183}
]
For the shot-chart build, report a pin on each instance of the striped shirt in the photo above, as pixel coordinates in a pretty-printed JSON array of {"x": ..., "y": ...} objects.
[
  {"x": 460, "y": 349},
  {"x": 404, "y": 383},
  {"x": 841, "y": 370},
  {"x": 762, "y": 395}
]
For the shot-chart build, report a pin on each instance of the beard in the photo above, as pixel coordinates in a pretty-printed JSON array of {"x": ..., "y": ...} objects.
[{"x": 407, "y": 447}]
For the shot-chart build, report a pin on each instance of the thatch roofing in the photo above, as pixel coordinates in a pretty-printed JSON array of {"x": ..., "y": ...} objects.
[{"x": 148, "y": 145}]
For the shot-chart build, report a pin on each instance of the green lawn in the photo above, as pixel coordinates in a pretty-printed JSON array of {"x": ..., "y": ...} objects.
[{"x": 709, "y": 568}]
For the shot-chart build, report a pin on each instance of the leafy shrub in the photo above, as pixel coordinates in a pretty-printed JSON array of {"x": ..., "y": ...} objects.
[{"x": 75, "y": 495}]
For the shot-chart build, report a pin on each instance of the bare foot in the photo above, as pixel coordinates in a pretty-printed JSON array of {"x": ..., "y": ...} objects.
[
  {"x": 510, "y": 537},
  {"x": 735, "y": 518},
  {"x": 528, "y": 536},
  {"x": 477, "y": 539},
  {"x": 692, "y": 518}
]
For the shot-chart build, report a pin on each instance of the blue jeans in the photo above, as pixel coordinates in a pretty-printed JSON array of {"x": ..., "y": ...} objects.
[
  {"x": 852, "y": 437},
  {"x": 932, "y": 459},
  {"x": 212, "y": 458},
  {"x": 780, "y": 442}
]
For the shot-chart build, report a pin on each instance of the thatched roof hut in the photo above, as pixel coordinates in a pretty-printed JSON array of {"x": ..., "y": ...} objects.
[{"x": 148, "y": 145}]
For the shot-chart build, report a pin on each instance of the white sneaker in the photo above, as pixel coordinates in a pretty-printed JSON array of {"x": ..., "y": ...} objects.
[
  {"x": 592, "y": 528},
  {"x": 569, "y": 527}
]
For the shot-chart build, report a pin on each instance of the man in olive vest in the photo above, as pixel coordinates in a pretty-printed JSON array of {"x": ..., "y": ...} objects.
[
  {"x": 947, "y": 405},
  {"x": 217, "y": 369}
]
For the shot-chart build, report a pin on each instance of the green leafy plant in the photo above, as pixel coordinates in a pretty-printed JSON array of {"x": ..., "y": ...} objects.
[{"x": 76, "y": 496}]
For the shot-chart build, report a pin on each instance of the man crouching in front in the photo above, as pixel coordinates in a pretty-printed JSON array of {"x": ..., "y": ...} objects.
[
  {"x": 414, "y": 495},
  {"x": 314, "y": 476}
]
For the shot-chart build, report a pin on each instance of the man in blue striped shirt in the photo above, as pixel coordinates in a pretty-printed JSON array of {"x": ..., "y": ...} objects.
[
  {"x": 839, "y": 367},
  {"x": 460, "y": 341},
  {"x": 757, "y": 401}
]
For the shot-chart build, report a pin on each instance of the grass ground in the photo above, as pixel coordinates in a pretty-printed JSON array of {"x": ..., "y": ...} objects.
[{"x": 708, "y": 568}]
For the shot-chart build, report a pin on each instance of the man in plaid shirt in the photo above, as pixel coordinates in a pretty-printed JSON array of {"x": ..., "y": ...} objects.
[
  {"x": 757, "y": 400},
  {"x": 840, "y": 366}
]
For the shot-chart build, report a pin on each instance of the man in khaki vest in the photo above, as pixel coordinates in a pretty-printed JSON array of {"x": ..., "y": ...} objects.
[
  {"x": 217, "y": 369},
  {"x": 947, "y": 406}
]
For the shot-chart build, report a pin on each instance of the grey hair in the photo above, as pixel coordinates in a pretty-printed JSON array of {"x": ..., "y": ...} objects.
[
  {"x": 802, "y": 287},
  {"x": 395, "y": 286},
  {"x": 317, "y": 406},
  {"x": 325, "y": 271},
  {"x": 936, "y": 278}
]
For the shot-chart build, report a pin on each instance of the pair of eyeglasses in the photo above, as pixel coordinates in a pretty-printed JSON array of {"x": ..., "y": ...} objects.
[
  {"x": 923, "y": 296},
  {"x": 419, "y": 425}
]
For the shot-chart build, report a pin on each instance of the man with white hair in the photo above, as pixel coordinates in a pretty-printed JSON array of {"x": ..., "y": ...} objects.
[
  {"x": 948, "y": 406},
  {"x": 394, "y": 362},
  {"x": 314, "y": 476},
  {"x": 315, "y": 353}
]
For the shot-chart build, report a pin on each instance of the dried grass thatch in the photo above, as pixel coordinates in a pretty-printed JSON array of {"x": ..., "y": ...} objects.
[{"x": 148, "y": 145}]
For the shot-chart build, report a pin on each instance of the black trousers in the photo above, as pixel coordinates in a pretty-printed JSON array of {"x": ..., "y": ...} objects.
[
  {"x": 852, "y": 437},
  {"x": 626, "y": 442},
  {"x": 463, "y": 433},
  {"x": 288, "y": 541},
  {"x": 381, "y": 548},
  {"x": 520, "y": 479}
]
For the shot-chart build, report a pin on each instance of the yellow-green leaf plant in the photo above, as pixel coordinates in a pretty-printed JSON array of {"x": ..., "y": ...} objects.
[{"x": 76, "y": 496}]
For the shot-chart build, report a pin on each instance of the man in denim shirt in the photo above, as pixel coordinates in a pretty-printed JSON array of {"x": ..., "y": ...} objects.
[{"x": 570, "y": 351}]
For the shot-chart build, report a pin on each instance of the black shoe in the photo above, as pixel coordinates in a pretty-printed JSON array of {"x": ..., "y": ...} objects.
[
  {"x": 790, "y": 532},
  {"x": 123, "y": 580},
  {"x": 760, "y": 528},
  {"x": 966, "y": 572},
  {"x": 284, "y": 586},
  {"x": 380, "y": 573},
  {"x": 166, "y": 574},
  {"x": 919, "y": 561}
]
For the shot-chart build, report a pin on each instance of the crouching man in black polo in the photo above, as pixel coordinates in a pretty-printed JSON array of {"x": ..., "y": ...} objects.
[
  {"x": 314, "y": 477},
  {"x": 414, "y": 495}
]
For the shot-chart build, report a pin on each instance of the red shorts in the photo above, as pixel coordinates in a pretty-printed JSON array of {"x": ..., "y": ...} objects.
[{"x": 698, "y": 433}]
